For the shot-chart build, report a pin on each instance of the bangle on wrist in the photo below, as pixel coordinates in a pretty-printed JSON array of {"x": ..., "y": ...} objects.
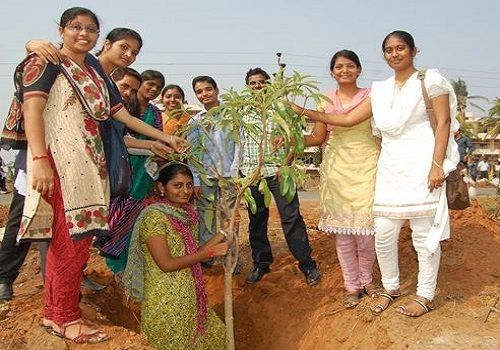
[
  {"x": 40, "y": 156},
  {"x": 437, "y": 164},
  {"x": 210, "y": 252},
  {"x": 224, "y": 233}
]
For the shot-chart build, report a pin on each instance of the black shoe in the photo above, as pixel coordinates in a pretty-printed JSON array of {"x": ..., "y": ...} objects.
[
  {"x": 313, "y": 276},
  {"x": 5, "y": 291},
  {"x": 256, "y": 274},
  {"x": 92, "y": 285}
]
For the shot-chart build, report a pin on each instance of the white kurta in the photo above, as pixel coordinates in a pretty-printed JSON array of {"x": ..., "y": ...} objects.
[{"x": 399, "y": 116}]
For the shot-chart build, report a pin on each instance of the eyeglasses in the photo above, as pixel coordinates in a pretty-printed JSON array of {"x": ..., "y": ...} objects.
[{"x": 77, "y": 28}]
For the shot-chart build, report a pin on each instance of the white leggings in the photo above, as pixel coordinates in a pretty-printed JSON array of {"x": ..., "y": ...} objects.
[{"x": 386, "y": 247}]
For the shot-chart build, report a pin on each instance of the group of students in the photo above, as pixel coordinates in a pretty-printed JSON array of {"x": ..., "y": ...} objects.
[{"x": 369, "y": 183}]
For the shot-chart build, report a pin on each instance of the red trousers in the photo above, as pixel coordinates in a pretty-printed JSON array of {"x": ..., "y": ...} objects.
[{"x": 66, "y": 259}]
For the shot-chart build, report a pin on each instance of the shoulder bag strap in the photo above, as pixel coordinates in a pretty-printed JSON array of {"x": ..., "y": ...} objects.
[{"x": 428, "y": 106}]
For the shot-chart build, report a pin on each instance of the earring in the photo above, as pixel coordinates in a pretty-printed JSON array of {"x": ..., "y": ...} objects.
[{"x": 162, "y": 194}]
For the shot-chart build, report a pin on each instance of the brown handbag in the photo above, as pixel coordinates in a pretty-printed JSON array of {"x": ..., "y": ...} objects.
[{"x": 457, "y": 193}]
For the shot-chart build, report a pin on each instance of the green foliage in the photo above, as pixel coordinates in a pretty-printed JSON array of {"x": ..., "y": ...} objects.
[
  {"x": 492, "y": 122},
  {"x": 265, "y": 117},
  {"x": 208, "y": 217},
  {"x": 250, "y": 201},
  {"x": 463, "y": 99},
  {"x": 264, "y": 189}
]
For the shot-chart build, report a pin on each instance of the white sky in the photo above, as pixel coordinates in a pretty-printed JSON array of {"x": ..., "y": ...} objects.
[{"x": 224, "y": 38}]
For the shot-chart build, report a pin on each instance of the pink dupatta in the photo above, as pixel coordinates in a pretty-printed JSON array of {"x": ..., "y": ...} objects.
[{"x": 337, "y": 108}]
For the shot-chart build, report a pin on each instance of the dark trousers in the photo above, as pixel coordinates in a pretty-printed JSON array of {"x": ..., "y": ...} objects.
[
  {"x": 292, "y": 223},
  {"x": 12, "y": 255},
  {"x": 2, "y": 183}
]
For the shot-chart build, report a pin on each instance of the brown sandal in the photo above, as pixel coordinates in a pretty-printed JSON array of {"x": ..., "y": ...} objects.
[
  {"x": 378, "y": 307},
  {"x": 95, "y": 336},
  {"x": 351, "y": 300},
  {"x": 424, "y": 305},
  {"x": 372, "y": 290}
]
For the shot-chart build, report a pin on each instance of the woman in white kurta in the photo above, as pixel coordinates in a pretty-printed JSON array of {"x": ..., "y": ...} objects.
[{"x": 411, "y": 168}]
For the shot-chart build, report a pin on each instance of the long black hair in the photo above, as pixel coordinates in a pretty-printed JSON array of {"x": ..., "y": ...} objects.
[{"x": 119, "y": 34}]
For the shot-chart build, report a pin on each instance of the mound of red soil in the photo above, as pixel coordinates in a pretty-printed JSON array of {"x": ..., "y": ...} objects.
[{"x": 282, "y": 312}]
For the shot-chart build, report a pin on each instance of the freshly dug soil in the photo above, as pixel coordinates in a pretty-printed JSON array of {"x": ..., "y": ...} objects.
[{"x": 282, "y": 312}]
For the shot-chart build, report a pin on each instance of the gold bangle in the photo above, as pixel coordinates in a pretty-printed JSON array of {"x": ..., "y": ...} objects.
[{"x": 437, "y": 164}]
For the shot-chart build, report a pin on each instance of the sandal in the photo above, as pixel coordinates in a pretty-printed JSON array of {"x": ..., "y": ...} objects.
[
  {"x": 372, "y": 290},
  {"x": 424, "y": 306},
  {"x": 351, "y": 300},
  {"x": 47, "y": 324},
  {"x": 94, "y": 335},
  {"x": 388, "y": 298}
]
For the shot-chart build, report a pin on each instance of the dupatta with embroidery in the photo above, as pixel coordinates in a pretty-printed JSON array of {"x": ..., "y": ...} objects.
[{"x": 86, "y": 86}]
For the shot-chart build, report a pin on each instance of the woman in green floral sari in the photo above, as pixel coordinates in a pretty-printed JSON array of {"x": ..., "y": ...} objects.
[{"x": 164, "y": 270}]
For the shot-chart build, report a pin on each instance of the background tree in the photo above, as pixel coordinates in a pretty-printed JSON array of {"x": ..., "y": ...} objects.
[
  {"x": 492, "y": 121},
  {"x": 463, "y": 99}
]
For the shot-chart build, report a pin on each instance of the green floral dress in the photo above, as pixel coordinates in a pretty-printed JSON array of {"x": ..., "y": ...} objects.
[{"x": 169, "y": 309}]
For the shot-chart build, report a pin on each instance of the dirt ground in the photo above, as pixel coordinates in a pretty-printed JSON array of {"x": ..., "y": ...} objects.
[{"x": 282, "y": 312}]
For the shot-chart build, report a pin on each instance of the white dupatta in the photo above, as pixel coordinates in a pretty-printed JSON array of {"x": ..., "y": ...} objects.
[{"x": 393, "y": 115}]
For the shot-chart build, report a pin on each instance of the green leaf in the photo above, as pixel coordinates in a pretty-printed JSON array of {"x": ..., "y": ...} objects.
[
  {"x": 276, "y": 117},
  {"x": 204, "y": 178},
  {"x": 210, "y": 197},
  {"x": 284, "y": 184},
  {"x": 284, "y": 171},
  {"x": 208, "y": 217},
  {"x": 264, "y": 189},
  {"x": 292, "y": 189},
  {"x": 250, "y": 201}
]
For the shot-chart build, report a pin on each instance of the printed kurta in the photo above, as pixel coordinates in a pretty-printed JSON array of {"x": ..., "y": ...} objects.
[
  {"x": 347, "y": 174},
  {"x": 70, "y": 118}
]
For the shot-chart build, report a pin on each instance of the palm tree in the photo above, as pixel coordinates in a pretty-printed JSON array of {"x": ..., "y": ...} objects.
[
  {"x": 492, "y": 121},
  {"x": 463, "y": 98}
]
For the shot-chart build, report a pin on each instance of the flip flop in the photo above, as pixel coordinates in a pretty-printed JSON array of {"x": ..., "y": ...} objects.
[
  {"x": 425, "y": 306},
  {"x": 97, "y": 336},
  {"x": 380, "y": 307}
]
